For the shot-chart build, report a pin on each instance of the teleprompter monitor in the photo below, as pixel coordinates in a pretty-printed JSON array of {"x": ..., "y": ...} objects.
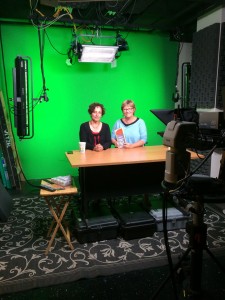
[{"x": 183, "y": 114}]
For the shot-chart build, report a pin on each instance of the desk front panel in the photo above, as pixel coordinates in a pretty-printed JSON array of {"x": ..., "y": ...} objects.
[{"x": 123, "y": 180}]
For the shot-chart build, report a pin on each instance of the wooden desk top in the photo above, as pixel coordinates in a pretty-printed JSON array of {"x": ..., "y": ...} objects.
[{"x": 116, "y": 156}]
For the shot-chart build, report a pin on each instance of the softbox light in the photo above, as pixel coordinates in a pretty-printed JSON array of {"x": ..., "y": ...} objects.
[{"x": 99, "y": 54}]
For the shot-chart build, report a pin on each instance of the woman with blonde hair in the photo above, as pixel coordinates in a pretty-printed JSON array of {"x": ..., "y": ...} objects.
[{"x": 134, "y": 128}]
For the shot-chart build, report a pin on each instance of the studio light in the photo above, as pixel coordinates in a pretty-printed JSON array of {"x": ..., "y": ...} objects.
[
  {"x": 96, "y": 48},
  {"x": 99, "y": 54}
]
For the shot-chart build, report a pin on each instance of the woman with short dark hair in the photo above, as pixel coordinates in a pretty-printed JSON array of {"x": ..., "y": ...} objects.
[{"x": 95, "y": 133}]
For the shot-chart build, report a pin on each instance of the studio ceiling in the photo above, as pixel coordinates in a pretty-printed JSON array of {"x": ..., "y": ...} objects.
[{"x": 177, "y": 18}]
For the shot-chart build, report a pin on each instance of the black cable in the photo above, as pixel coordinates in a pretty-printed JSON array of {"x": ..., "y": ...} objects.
[
  {"x": 166, "y": 242},
  {"x": 176, "y": 95},
  {"x": 41, "y": 47},
  {"x": 50, "y": 42},
  {"x": 165, "y": 197}
]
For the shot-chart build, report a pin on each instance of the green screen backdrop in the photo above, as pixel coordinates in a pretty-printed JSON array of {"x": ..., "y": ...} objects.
[{"x": 146, "y": 73}]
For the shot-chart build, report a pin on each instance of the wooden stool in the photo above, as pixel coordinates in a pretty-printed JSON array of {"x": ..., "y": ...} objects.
[{"x": 58, "y": 202}]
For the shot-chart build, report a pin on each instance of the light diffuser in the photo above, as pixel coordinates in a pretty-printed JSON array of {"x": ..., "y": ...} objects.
[{"x": 100, "y": 54}]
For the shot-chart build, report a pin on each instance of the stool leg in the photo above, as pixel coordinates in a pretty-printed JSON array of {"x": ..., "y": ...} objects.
[
  {"x": 58, "y": 210},
  {"x": 58, "y": 225},
  {"x": 50, "y": 228}
]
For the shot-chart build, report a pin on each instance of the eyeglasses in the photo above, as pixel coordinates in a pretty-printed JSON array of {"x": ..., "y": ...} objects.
[{"x": 128, "y": 109}]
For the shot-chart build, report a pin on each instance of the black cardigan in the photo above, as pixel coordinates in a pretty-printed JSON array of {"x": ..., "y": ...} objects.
[{"x": 87, "y": 136}]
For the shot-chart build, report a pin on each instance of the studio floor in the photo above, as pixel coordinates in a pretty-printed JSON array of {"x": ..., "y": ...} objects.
[
  {"x": 139, "y": 284},
  {"x": 145, "y": 284}
]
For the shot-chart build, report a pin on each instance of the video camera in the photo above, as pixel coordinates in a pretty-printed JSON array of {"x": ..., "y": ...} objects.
[
  {"x": 209, "y": 125},
  {"x": 187, "y": 129}
]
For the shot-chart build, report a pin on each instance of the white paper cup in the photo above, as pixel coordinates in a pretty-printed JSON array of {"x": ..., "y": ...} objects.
[{"x": 82, "y": 146}]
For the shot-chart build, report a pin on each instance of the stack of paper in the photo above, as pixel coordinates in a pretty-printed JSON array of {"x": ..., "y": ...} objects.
[{"x": 62, "y": 180}]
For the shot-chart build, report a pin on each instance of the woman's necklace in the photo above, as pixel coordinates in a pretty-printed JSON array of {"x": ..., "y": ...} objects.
[{"x": 95, "y": 126}]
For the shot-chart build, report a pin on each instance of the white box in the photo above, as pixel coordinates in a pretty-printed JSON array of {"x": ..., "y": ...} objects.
[
  {"x": 175, "y": 218},
  {"x": 62, "y": 180}
]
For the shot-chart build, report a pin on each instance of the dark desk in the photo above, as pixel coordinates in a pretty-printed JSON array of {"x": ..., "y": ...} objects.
[{"x": 118, "y": 172}]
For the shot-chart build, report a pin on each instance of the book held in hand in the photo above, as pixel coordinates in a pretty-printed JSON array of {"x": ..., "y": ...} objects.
[{"x": 120, "y": 137}]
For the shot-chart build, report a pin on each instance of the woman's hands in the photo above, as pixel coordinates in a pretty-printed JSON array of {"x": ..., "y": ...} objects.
[{"x": 98, "y": 148}]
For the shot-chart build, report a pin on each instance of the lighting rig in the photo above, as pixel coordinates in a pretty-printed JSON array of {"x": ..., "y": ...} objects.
[{"x": 98, "y": 51}]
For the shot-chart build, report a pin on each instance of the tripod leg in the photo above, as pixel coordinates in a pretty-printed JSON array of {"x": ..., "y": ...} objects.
[
  {"x": 197, "y": 243},
  {"x": 196, "y": 271},
  {"x": 169, "y": 275}
]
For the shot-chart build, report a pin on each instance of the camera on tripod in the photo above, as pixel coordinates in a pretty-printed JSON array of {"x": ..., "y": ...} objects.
[{"x": 189, "y": 190}]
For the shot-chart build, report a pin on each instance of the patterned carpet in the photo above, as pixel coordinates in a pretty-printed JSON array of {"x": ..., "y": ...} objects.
[{"x": 24, "y": 265}]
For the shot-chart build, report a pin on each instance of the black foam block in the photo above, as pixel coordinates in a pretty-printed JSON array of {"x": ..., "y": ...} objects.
[{"x": 5, "y": 204}]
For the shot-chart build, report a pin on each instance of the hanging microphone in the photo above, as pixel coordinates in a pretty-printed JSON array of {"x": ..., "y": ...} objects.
[
  {"x": 176, "y": 95},
  {"x": 45, "y": 97}
]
